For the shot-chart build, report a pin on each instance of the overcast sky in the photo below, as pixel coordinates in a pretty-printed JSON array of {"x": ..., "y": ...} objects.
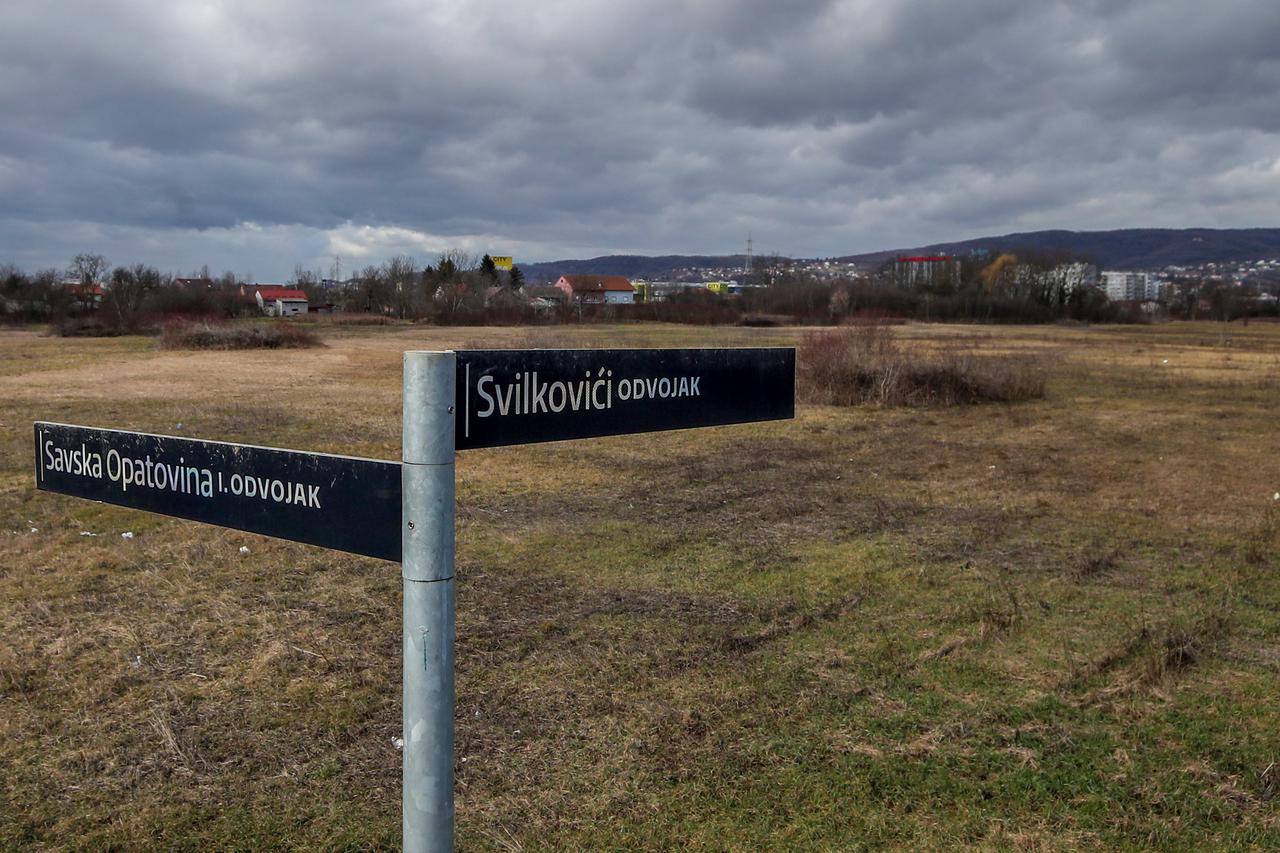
[{"x": 252, "y": 136}]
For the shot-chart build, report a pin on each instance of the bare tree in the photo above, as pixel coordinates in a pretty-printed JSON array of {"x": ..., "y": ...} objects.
[
  {"x": 455, "y": 284},
  {"x": 47, "y": 290},
  {"x": 304, "y": 278},
  {"x": 87, "y": 268},
  {"x": 130, "y": 287},
  {"x": 372, "y": 293},
  {"x": 39, "y": 296},
  {"x": 401, "y": 274},
  {"x": 461, "y": 260}
]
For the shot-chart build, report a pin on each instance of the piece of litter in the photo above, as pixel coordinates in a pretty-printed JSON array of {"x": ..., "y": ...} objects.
[
  {"x": 464, "y": 760},
  {"x": 35, "y": 530},
  {"x": 1166, "y": 361},
  {"x": 178, "y": 426},
  {"x": 397, "y": 742},
  {"x": 128, "y": 534},
  {"x": 87, "y": 533},
  {"x": 137, "y": 661},
  {"x": 244, "y": 549}
]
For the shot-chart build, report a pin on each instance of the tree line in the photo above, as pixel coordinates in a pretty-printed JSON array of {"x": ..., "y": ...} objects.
[
  {"x": 457, "y": 283},
  {"x": 90, "y": 296},
  {"x": 1032, "y": 286}
]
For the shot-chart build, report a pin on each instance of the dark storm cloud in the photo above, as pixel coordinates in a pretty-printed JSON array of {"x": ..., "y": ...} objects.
[{"x": 267, "y": 133}]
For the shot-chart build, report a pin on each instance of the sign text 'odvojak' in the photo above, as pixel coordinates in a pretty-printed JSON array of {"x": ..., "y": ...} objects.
[
  {"x": 525, "y": 396},
  {"x": 338, "y": 502}
]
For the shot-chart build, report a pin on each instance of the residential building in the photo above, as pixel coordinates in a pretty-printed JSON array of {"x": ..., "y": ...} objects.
[
  {"x": 85, "y": 297},
  {"x": 661, "y": 291},
  {"x": 544, "y": 296},
  {"x": 276, "y": 301},
  {"x": 1126, "y": 286},
  {"x": 597, "y": 289}
]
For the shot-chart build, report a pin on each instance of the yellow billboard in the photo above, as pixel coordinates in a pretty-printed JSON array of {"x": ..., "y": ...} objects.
[{"x": 501, "y": 262}]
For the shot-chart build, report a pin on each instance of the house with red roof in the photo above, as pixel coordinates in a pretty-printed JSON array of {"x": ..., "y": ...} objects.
[
  {"x": 85, "y": 297},
  {"x": 597, "y": 289},
  {"x": 276, "y": 301}
]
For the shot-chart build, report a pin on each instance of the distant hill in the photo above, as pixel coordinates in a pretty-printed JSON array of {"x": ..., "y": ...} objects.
[
  {"x": 1127, "y": 248},
  {"x": 632, "y": 266}
]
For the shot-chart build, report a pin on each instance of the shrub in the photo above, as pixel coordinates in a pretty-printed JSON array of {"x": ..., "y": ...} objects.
[
  {"x": 228, "y": 336},
  {"x": 766, "y": 321},
  {"x": 864, "y": 364},
  {"x": 353, "y": 319},
  {"x": 85, "y": 326},
  {"x": 193, "y": 304},
  {"x": 707, "y": 311}
]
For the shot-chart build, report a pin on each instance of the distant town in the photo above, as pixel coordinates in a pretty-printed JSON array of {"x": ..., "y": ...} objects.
[{"x": 1036, "y": 283}]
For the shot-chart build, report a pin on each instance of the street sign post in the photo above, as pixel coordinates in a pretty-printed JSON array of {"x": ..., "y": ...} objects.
[
  {"x": 427, "y": 576},
  {"x": 452, "y": 401}
]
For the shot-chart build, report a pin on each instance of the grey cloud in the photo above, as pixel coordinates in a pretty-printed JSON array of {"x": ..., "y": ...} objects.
[{"x": 824, "y": 127}]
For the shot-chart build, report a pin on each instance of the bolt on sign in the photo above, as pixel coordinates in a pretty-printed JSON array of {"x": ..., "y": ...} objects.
[{"x": 405, "y": 510}]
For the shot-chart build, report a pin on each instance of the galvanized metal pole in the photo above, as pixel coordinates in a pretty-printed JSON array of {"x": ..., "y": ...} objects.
[{"x": 427, "y": 571}]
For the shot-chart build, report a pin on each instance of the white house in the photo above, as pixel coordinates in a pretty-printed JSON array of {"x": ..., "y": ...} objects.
[{"x": 280, "y": 301}]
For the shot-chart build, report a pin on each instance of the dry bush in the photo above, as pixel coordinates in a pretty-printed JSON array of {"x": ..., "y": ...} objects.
[
  {"x": 864, "y": 364},
  {"x": 1260, "y": 542},
  {"x": 1180, "y": 645},
  {"x": 1095, "y": 560},
  {"x": 765, "y": 321},
  {"x": 691, "y": 311},
  {"x": 85, "y": 326},
  {"x": 1154, "y": 654},
  {"x": 228, "y": 336},
  {"x": 353, "y": 319}
]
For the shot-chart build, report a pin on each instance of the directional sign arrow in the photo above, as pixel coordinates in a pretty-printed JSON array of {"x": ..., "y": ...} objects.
[
  {"x": 336, "y": 502},
  {"x": 525, "y": 396}
]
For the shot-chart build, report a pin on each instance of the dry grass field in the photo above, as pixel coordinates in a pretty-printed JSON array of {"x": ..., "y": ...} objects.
[{"x": 1045, "y": 625}]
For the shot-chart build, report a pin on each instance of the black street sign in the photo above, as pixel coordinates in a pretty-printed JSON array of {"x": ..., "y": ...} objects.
[
  {"x": 333, "y": 501},
  {"x": 526, "y": 396}
]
